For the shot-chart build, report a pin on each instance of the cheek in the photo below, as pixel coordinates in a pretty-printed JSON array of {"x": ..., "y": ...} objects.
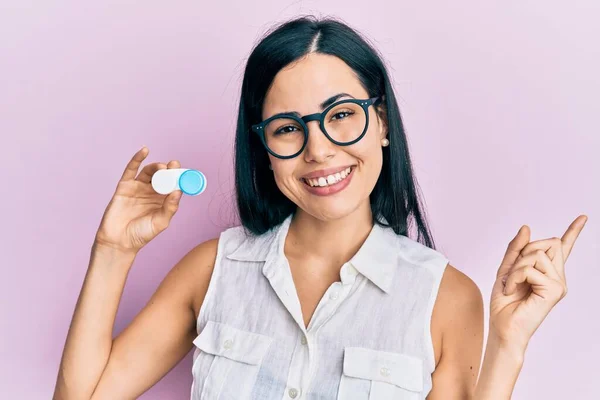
[
  {"x": 283, "y": 171},
  {"x": 372, "y": 140},
  {"x": 368, "y": 151},
  {"x": 370, "y": 157}
]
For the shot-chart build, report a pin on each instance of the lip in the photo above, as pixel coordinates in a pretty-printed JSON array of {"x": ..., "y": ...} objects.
[
  {"x": 322, "y": 173},
  {"x": 330, "y": 190}
]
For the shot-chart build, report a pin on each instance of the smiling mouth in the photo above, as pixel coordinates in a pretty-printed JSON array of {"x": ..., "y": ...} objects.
[{"x": 329, "y": 180}]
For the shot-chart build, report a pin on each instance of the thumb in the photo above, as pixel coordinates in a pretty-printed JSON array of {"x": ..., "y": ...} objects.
[
  {"x": 175, "y": 196},
  {"x": 168, "y": 209},
  {"x": 171, "y": 203}
]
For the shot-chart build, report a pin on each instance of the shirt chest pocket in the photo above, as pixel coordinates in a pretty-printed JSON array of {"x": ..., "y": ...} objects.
[
  {"x": 229, "y": 362},
  {"x": 377, "y": 375}
]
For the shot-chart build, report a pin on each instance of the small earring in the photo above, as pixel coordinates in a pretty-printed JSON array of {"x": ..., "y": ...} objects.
[
  {"x": 385, "y": 142},
  {"x": 270, "y": 167}
]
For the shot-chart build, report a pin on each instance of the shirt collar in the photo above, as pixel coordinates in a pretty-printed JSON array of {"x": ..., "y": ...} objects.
[
  {"x": 262, "y": 247},
  {"x": 376, "y": 259}
]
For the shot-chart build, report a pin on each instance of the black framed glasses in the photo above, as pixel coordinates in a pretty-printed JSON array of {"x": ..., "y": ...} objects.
[{"x": 343, "y": 123}]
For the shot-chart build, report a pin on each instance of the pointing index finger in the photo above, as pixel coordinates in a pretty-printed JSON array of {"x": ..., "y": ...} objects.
[{"x": 571, "y": 235}]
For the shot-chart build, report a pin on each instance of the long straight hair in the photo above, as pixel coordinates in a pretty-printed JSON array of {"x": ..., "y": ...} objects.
[{"x": 261, "y": 205}]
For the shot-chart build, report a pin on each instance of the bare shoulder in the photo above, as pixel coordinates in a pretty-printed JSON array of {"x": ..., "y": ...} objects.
[
  {"x": 457, "y": 289},
  {"x": 459, "y": 302}
]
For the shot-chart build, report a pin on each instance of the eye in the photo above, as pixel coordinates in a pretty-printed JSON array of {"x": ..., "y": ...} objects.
[
  {"x": 285, "y": 129},
  {"x": 341, "y": 115}
]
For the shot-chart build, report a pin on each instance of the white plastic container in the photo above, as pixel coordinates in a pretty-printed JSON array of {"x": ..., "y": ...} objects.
[{"x": 190, "y": 181}]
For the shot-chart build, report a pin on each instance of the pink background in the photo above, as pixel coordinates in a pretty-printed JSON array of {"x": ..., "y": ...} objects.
[{"x": 500, "y": 104}]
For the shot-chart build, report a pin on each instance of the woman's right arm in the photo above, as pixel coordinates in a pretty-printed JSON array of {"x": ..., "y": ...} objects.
[{"x": 94, "y": 365}]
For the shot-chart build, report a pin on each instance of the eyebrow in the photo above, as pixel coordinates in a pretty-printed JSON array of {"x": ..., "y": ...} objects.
[{"x": 323, "y": 105}]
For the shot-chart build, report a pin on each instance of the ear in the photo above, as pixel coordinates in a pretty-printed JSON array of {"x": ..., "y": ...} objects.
[{"x": 381, "y": 111}]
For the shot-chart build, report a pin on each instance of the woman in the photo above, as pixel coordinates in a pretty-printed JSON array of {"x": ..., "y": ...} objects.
[{"x": 320, "y": 293}]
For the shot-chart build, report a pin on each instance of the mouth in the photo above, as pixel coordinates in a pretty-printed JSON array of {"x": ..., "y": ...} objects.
[{"x": 329, "y": 180}]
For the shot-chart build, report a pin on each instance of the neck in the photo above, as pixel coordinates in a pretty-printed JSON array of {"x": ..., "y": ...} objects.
[{"x": 331, "y": 241}]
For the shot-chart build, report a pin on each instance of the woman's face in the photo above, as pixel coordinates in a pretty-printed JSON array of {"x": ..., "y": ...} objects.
[{"x": 302, "y": 87}]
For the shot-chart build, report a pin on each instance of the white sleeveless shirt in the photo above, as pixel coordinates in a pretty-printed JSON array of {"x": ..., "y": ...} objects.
[{"x": 369, "y": 337}]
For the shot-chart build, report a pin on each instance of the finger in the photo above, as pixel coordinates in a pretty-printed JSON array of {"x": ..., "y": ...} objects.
[
  {"x": 571, "y": 235},
  {"x": 174, "y": 164},
  {"x": 541, "y": 285},
  {"x": 540, "y": 261},
  {"x": 134, "y": 164},
  {"x": 549, "y": 246},
  {"x": 170, "y": 206},
  {"x": 526, "y": 274},
  {"x": 149, "y": 170},
  {"x": 514, "y": 249},
  {"x": 559, "y": 264}
]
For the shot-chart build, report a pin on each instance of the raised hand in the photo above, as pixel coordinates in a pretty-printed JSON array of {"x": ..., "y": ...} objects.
[
  {"x": 530, "y": 282},
  {"x": 136, "y": 213}
]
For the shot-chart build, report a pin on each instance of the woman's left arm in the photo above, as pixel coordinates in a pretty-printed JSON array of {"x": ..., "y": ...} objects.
[
  {"x": 457, "y": 332},
  {"x": 529, "y": 283}
]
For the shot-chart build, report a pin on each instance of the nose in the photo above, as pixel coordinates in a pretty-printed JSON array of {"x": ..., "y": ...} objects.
[{"x": 318, "y": 148}]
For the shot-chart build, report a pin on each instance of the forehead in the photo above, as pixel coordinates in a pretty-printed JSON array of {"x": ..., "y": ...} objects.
[{"x": 303, "y": 85}]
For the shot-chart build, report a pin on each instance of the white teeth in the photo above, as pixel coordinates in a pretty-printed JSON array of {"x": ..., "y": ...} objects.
[{"x": 330, "y": 179}]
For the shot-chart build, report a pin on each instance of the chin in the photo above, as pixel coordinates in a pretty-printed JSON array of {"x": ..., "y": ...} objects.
[{"x": 336, "y": 209}]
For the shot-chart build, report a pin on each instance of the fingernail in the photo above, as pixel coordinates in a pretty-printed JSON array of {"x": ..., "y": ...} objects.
[{"x": 504, "y": 280}]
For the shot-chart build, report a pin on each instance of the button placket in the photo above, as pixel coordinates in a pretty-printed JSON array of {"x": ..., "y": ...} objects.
[
  {"x": 299, "y": 368},
  {"x": 331, "y": 300},
  {"x": 336, "y": 291}
]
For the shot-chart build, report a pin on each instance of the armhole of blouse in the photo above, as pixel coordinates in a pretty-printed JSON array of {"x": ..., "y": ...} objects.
[
  {"x": 437, "y": 271},
  {"x": 213, "y": 278}
]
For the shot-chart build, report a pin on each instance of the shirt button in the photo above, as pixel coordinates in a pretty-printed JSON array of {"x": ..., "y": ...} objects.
[
  {"x": 228, "y": 344},
  {"x": 303, "y": 340},
  {"x": 293, "y": 393},
  {"x": 333, "y": 296},
  {"x": 384, "y": 371}
]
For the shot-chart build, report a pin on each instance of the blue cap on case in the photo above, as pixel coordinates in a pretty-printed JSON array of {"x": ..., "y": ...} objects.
[{"x": 192, "y": 182}]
